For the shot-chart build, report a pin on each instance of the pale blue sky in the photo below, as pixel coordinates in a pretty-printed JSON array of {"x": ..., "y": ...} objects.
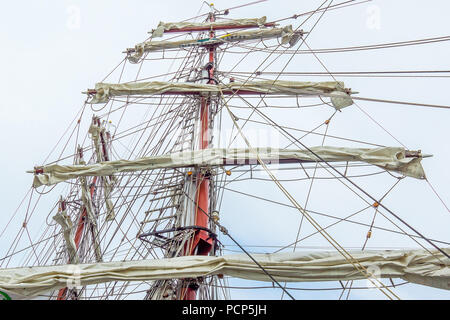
[{"x": 49, "y": 56}]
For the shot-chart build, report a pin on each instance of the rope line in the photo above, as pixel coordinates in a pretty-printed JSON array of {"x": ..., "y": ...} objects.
[{"x": 330, "y": 239}]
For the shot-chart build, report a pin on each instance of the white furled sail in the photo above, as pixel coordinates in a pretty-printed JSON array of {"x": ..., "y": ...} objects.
[
  {"x": 389, "y": 158},
  {"x": 340, "y": 97},
  {"x": 63, "y": 219},
  {"x": 287, "y": 35},
  {"x": 416, "y": 266},
  {"x": 95, "y": 132},
  {"x": 188, "y": 26}
]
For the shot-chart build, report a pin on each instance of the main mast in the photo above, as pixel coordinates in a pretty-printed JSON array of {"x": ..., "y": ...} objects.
[{"x": 202, "y": 241}]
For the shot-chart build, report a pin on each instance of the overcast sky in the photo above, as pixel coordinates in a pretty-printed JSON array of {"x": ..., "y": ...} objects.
[{"x": 53, "y": 50}]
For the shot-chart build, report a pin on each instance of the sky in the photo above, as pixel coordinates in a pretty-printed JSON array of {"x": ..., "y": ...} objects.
[{"x": 54, "y": 50}]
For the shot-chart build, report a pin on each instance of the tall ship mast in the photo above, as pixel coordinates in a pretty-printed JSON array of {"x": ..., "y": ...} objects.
[{"x": 137, "y": 192}]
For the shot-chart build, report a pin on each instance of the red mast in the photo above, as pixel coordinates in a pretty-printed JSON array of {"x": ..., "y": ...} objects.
[{"x": 202, "y": 242}]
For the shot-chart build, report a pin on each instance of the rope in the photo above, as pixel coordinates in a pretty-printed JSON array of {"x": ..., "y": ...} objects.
[
  {"x": 225, "y": 232},
  {"x": 354, "y": 48},
  {"x": 287, "y": 63},
  {"x": 437, "y": 195},
  {"x": 330, "y": 239},
  {"x": 366, "y": 193},
  {"x": 403, "y": 102}
]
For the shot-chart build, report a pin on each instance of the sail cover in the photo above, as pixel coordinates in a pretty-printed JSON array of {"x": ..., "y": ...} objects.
[
  {"x": 336, "y": 89},
  {"x": 287, "y": 35},
  {"x": 389, "y": 158},
  {"x": 168, "y": 26},
  {"x": 416, "y": 266},
  {"x": 63, "y": 219}
]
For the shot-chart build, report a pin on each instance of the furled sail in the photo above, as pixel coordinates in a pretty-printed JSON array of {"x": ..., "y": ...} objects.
[
  {"x": 192, "y": 26},
  {"x": 390, "y": 158},
  {"x": 96, "y": 132},
  {"x": 287, "y": 35},
  {"x": 339, "y": 95},
  {"x": 86, "y": 199},
  {"x": 416, "y": 266},
  {"x": 63, "y": 219}
]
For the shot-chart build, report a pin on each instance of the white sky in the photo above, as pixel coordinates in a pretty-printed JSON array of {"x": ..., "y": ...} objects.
[{"x": 49, "y": 57}]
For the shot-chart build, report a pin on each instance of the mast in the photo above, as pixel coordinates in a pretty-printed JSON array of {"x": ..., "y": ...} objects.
[
  {"x": 202, "y": 242},
  {"x": 87, "y": 220}
]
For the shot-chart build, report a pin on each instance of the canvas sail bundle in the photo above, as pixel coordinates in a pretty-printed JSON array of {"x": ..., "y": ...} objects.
[
  {"x": 287, "y": 35},
  {"x": 63, "y": 219},
  {"x": 416, "y": 266},
  {"x": 339, "y": 96},
  {"x": 389, "y": 158},
  {"x": 95, "y": 131},
  {"x": 168, "y": 26}
]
